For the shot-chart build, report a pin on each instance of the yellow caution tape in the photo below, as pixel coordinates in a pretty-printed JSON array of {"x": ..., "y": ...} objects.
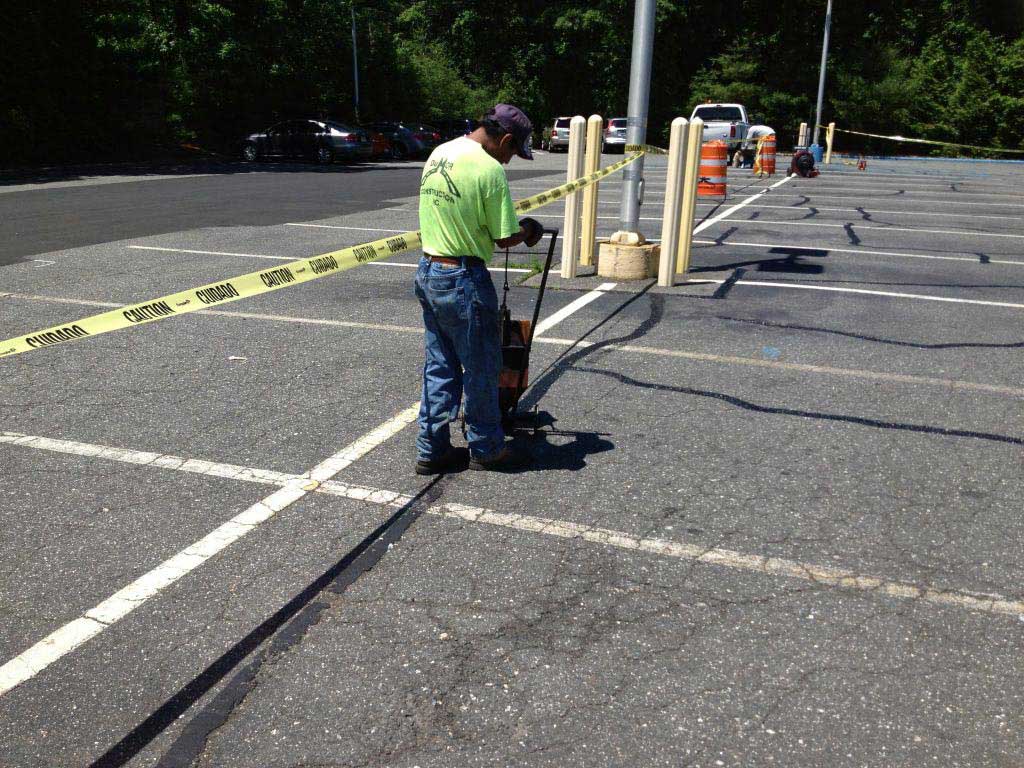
[
  {"x": 648, "y": 149},
  {"x": 265, "y": 281},
  {"x": 553, "y": 195},
  {"x": 929, "y": 141}
]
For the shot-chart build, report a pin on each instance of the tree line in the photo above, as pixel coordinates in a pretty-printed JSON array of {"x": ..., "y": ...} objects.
[{"x": 99, "y": 79}]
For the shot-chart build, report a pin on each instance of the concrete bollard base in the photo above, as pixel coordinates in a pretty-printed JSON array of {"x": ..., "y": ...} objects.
[
  {"x": 627, "y": 238},
  {"x": 628, "y": 262}
]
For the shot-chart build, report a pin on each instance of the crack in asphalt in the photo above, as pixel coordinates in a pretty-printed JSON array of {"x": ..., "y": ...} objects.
[
  {"x": 285, "y": 629},
  {"x": 751, "y": 406}
]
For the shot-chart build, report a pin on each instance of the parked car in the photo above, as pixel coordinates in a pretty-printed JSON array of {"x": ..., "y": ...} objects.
[
  {"x": 323, "y": 141},
  {"x": 407, "y": 139},
  {"x": 381, "y": 145},
  {"x": 723, "y": 121},
  {"x": 452, "y": 128},
  {"x": 615, "y": 135},
  {"x": 559, "y": 139}
]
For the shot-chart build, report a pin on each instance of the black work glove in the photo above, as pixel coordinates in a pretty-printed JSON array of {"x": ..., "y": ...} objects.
[{"x": 534, "y": 231}]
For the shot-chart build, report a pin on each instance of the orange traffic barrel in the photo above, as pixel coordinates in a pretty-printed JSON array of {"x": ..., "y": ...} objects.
[
  {"x": 764, "y": 160},
  {"x": 714, "y": 157}
]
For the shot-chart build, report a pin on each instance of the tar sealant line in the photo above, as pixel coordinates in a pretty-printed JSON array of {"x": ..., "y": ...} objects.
[
  {"x": 728, "y": 211},
  {"x": 826, "y": 576},
  {"x": 64, "y": 640},
  {"x": 858, "y": 225},
  {"x": 861, "y": 251},
  {"x": 891, "y": 294}
]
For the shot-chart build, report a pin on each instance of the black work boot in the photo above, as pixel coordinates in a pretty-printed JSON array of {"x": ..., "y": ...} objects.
[
  {"x": 453, "y": 460},
  {"x": 504, "y": 460}
]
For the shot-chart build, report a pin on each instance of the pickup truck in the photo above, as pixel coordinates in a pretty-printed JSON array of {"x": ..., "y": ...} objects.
[{"x": 723, "y": 121}]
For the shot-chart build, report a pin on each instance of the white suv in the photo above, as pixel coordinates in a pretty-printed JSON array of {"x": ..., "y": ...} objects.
[
  {"x": 559, "y": 135},
  {"x": 615, "y": 135}
]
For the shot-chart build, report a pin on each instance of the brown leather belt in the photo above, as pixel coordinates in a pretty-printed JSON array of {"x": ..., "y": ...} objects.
[{"x": 456, "y": 261}]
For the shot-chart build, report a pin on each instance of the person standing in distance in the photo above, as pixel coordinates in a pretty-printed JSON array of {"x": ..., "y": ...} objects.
[{"x": 465, "y": 211}]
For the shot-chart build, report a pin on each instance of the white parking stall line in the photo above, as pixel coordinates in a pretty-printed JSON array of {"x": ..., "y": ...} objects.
[
  {"x": 872, "y": 211},
  {"x": 826, "y": 370},
  {"x": 212, "y": 253},
  {"x": 891, "y": 294},
  {"x": 63, "y": 641},
  {"x": 901, "y": 191},
  {"x": 79, "y": 631},
  {"x": 714, "y": 556},
  {"x": 905, "y": 200},
  {"x": 656, "y": 198},
  {"x": 821, "y": 575},
  {"x": 858, "y": 226},
  {"x": 859, "y": 251},
  {"x": 859, "y": 211},
  {"x": 957, "y": 384},
  {"x": 338, "y": 226},
  {"x": 225, "y": 313},
  {"x": 850, "y": 182},
  {"x": 722, "y": 216},
  {"x": 550, "y": 322}
]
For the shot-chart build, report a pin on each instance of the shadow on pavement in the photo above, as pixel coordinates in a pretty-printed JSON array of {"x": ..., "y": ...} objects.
[{"x": 754, "y": 407}]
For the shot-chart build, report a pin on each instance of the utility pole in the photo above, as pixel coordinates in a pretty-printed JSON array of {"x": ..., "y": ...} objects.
[
  {"x": 821, "y": 76},
  {"x": 636, "y": 123},
  {"x": 355, "y": 61}
]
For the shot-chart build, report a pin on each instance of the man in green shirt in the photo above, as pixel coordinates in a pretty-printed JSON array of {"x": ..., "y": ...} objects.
[{"x": 465, "y": 211}]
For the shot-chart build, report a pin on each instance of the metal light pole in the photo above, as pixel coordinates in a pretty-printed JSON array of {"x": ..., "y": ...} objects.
[
  {"x": 636, "y": 125},
  {"x": 355, "y": 60},
  {"x": 821, "y": 76}
]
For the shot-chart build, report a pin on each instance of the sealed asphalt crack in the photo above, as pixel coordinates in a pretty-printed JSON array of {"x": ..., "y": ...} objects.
[
  {"x": 285, "y": 629},
  {"x": 751, "y": 406}
]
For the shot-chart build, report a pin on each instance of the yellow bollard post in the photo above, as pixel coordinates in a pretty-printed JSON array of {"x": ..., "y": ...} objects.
[
  {"x": 571, "y": 228},
  {"x": 830, "y": 134},
  {"x": 672, "y": 212},
  {"x": 588, "y": 227},
  {"x": 694, "y": 143}
]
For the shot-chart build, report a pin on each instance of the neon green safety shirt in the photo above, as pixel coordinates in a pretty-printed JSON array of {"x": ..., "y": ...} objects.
[{"x": 465, "y": 203}]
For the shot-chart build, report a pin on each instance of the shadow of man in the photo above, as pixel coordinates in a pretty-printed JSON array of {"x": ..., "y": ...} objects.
[{"x": 554, "y": 449}]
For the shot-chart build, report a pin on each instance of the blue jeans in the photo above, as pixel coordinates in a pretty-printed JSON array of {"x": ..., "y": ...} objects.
[{"x": 463, "y": 358}]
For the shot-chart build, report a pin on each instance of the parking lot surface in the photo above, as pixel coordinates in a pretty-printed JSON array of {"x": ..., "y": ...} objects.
[{"x": 772, "y": 515}]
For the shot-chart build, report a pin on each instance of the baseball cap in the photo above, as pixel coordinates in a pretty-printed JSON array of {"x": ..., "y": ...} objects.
[{"x": 514, "y": 121}]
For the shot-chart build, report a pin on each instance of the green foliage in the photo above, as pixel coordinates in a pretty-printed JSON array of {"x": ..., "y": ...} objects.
[{"x": 121, "y": 78}]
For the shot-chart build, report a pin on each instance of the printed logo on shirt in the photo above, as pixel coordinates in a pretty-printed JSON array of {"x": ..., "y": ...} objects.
[{"x": 441, "y": 167}]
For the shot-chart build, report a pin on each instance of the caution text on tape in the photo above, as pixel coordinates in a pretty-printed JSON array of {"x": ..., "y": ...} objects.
[{"x": 265, "y": 281}]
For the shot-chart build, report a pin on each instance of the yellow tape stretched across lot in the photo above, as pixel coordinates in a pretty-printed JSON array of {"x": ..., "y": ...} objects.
[
  {"x": 265, "y": 281},
  {"x": 930, "y": 141},
  {"x": 647, "y": 149}
]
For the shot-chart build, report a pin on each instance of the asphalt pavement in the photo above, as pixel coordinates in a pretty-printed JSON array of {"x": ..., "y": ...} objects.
[{"x": 771, "y": 514}]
